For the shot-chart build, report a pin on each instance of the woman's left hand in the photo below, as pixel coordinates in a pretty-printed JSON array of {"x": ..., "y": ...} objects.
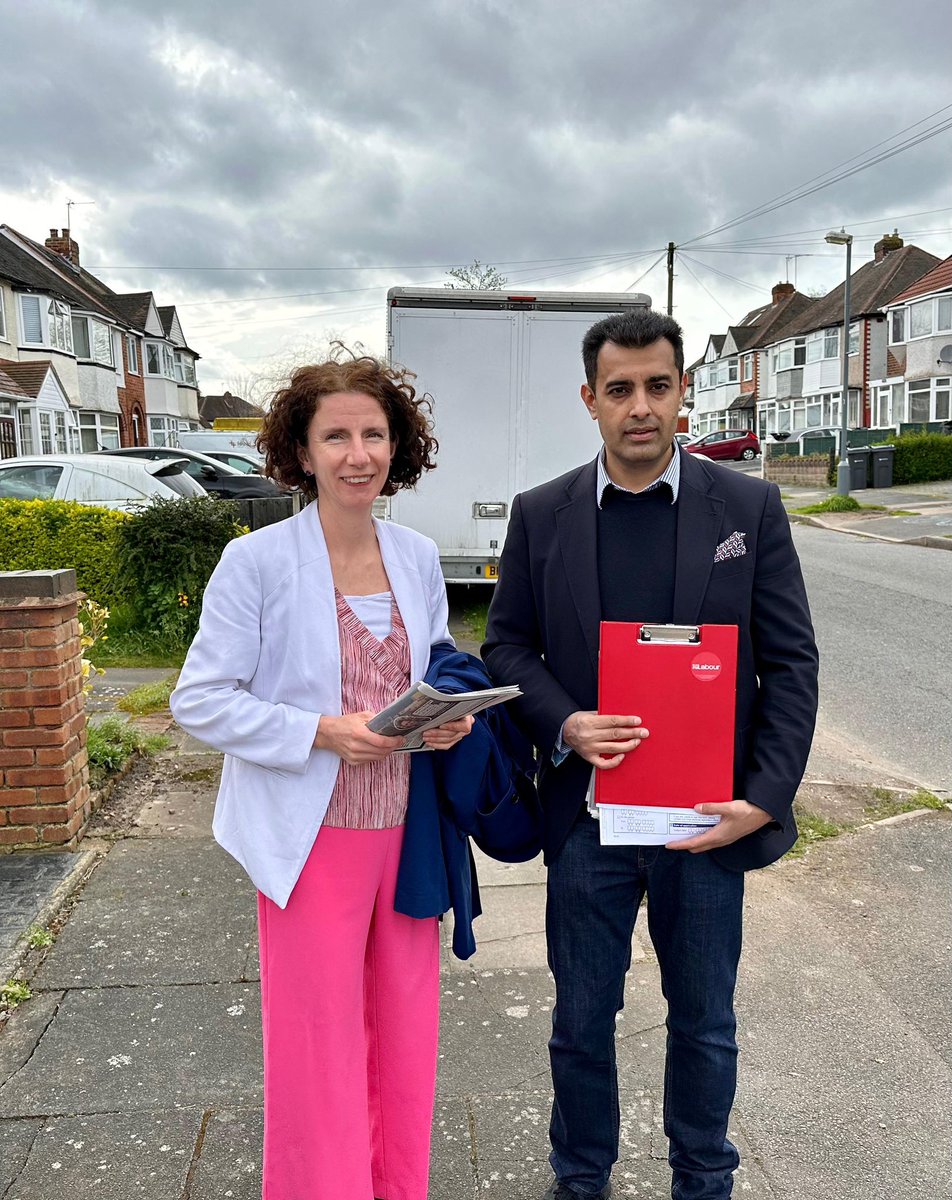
[{"x": 443, "y": 736}]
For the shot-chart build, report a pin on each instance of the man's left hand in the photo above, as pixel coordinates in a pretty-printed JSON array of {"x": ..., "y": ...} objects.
[{"x": 738, "y": 818}]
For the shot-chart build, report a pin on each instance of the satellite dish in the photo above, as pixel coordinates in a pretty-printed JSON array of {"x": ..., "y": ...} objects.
[{"x": 945, "y": 356}]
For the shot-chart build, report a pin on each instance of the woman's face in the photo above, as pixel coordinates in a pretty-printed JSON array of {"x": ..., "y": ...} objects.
[{"x": 348, "y": 450}]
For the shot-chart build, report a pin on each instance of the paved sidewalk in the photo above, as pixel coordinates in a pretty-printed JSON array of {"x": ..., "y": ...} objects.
[
  {"x": 135, "y": 1069},
  {"x": 921, "y": 514}
]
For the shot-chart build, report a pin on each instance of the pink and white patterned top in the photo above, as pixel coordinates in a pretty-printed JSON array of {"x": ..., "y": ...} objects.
[{"x": 373, "y": 674}]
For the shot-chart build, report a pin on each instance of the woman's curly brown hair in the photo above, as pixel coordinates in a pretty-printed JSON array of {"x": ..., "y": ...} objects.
[{"x": 284, "y": 429}]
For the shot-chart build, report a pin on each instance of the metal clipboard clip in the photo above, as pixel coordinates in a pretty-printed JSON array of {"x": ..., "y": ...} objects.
[{"x": 671, "y": 634}]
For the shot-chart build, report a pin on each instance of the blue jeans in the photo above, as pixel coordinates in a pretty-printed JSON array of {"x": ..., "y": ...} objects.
[{"x": 694, "y": 918}]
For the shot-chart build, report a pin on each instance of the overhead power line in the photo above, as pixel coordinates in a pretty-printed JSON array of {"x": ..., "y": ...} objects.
[{"x": 819, "y": 182}]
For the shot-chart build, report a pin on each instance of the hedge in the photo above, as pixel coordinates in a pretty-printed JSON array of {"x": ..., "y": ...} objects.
[
  {"x": 167, "y": 553},
  {"x": 49, "y": 535},
  {"x": 921, "y": 457}
]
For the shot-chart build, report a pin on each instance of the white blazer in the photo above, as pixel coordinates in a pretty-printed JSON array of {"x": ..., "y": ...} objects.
[{"x": 265, "y": 664}]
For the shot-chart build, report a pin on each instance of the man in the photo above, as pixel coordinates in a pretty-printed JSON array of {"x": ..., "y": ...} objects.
[{"x": 649, "y": 533}]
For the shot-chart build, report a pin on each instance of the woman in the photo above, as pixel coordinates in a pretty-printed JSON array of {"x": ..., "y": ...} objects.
[{"x": 308, "y": 627}]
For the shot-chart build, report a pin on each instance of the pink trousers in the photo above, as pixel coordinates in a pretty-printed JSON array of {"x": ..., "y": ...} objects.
[{"x": 350, "y": 1011}]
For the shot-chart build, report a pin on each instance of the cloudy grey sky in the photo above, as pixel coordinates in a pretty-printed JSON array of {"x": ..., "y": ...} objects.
[{"x": 271, "y": 168}]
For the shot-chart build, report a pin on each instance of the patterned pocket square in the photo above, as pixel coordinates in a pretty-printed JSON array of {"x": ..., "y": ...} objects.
[{"x": 732, "y": 547}]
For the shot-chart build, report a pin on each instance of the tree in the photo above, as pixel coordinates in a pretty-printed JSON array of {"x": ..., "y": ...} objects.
[
  {"x": 477, "y": 277},
  {"x": 259, "y": 386}
]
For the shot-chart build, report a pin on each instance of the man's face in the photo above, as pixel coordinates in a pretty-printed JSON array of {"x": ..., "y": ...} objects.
[{"x": 635, "y": 402}]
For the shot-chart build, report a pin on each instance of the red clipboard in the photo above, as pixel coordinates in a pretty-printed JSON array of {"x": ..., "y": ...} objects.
[{"x": 681, "y": 680}]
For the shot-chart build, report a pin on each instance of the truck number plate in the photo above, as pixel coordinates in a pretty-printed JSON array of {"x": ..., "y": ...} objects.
[{"x": 491, "y": 571}]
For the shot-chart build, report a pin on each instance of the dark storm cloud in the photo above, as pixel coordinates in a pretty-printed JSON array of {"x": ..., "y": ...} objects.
[{"x": 293, "y": 134}]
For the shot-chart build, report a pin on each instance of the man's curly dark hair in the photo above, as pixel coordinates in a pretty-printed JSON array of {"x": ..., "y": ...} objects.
[{"x": 284, "y": 429}]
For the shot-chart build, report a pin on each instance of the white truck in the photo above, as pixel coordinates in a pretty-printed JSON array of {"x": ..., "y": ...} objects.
[{"x": 504, "y": 370}]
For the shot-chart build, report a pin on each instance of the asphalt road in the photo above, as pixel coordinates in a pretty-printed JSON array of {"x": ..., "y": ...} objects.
[{"x": 883, "y": 616}]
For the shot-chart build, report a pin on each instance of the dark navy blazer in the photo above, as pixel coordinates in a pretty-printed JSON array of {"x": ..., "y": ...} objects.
[{"x": 542, "y": 634}]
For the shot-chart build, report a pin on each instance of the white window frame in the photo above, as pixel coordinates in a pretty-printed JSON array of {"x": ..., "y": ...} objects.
[
  {"x": 132, "y": 354},
  {"x": 3, "y": 320},
  {"x": 823, "y": 344},
  {"x": 748, "y": 368},
  {"x": 98, "y": 338},
  {"x": 898, "y": 323},
  {"x": 95, "y": 422},
  {"x": 60, "y": 326},
  {"x": 165, "y": 428},
  {"x": 184, "y": 367},
  {"x": 31, "y": 298},
  {"x": 854, "y": 341}
]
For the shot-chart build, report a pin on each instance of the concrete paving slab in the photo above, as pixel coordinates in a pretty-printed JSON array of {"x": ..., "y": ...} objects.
[
  {"x": 166, "y": 940},
  {"x": 152, "y": 868},
  {"x": 499, "y": 874},
  {"x": 452, "y": 1157},
  {"x": 852, "y": 1098},
  {"x": 481, "y": 1050},
  {"x": 23, "y": 1030},
  {"x": 229, "y": 1162},
  {"x": 114, "y": 1156},
  {"x": 178, "y": 814},
  {"x": 131, "y": 1049},
  {"x": 16, "y": 1138}
]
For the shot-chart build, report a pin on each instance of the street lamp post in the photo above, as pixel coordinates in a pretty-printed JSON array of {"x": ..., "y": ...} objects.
[{"x": 839, "y": 237}]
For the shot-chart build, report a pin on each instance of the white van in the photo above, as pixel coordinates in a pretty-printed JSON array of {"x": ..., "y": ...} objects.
[{"x": 207, "y": 441}]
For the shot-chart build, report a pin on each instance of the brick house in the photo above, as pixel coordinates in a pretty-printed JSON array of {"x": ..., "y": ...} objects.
[{"x": 53, "y": 310}]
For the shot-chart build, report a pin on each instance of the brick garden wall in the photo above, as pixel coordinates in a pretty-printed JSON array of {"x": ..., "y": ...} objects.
[
  {"x": 807, "y": 470},
  {"x": 44, "y": 779}
]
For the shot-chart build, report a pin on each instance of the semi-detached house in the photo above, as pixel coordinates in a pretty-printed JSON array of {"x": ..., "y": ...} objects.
[
  {"x": 916, "y": 386},
  {"x": 121, "y": 372},
  {"x": 728, "y": 380},
  {"x": 803, "y": 380}
]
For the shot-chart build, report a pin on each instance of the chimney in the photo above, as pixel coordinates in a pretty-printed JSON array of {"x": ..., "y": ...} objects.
[
  {"x": 64, "y": 245},
  {"x": 888, "y": 242},
  {"x": 781, "y": 291}
]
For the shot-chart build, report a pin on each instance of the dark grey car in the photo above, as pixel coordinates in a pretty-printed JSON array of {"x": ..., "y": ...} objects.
[{"x": 217, "y": 478}]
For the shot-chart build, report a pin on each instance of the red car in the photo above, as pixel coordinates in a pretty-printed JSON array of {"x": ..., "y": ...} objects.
[{"x": 726, "y": 443}]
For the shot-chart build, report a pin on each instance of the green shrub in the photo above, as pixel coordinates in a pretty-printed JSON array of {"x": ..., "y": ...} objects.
[
  {"x": 166, "y": 554},
  {"x": 49, "y": 535},
  {"x": 921, "y": 457}
]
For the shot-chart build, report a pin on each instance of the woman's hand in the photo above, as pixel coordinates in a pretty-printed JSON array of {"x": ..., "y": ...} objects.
[
  {"x": 441, "y": 737},
  {"x": 349, "y": 737}
]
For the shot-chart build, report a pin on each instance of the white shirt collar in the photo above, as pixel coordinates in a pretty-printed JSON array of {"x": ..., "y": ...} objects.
[{"x": 671, "y": 475}]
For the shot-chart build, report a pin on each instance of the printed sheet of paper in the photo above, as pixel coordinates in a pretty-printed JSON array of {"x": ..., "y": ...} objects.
[{"x": 642, "y": 825}]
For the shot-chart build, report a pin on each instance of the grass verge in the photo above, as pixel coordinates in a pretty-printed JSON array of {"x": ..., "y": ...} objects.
[
  {"x": 148, "y": 697},
  {"x": 831, "y": 504},
  {"x": 881, "y": 803},
  {"x": 111, "y": 744}
]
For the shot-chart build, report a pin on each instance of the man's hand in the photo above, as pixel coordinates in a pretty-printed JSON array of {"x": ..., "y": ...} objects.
[
  {"x": 738, "y": 818},
  {"x": 441, "y": 737},
  {"x": 602, "y": 740},
  {"x": 349, "y": 737}
]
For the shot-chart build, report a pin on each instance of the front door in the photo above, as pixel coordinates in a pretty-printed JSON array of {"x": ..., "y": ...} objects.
[{"x": 8, "y": 438}]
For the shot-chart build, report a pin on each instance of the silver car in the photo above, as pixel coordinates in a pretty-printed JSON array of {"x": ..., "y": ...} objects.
[{"x": 104, "y": 482}]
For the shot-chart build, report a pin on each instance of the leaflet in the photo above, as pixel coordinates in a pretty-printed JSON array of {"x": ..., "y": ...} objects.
[
  {"x": 422, "y": 707},
  {"x": 644, "y": 825}
]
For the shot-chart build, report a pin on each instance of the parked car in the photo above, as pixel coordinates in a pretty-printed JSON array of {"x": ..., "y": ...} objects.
[
  {"x": 215, "y": 477},
  {"x": 726, "y": 443},
  {"x": 247, "y": 464},
  {"x": 683, "y": 438},
  {"x": 801, "y": 435},
  {"x": 123, "y": 483}
]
